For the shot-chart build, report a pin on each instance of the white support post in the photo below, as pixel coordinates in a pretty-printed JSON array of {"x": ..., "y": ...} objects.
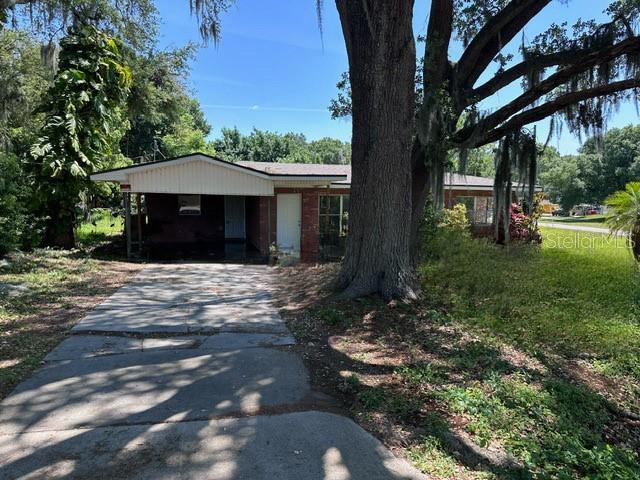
[{"x": 127, "y": 221}]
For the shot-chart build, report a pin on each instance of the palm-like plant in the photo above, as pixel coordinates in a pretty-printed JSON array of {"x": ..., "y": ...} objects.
[{"x": 625, "y": 214}]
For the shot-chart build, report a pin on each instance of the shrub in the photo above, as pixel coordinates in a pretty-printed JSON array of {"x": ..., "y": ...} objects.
[
  {"x": 625, "y": 214},
  {"x": 523, "y": 227},
  {"x": 18, "y": 227},
  {"x": 429, "y": 226},
  {"x": 455, "y": 218}
]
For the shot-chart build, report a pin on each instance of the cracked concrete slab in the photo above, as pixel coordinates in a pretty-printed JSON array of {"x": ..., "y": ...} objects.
[
  {"x": 304, "y": 445},
  {"x": 157, "y": 386},
  {"x": 191, "y": 405},
  {"x": 225, "y": 341},
  {"x": 172, "y": 343},
  {"x": 85, "y": 346}
]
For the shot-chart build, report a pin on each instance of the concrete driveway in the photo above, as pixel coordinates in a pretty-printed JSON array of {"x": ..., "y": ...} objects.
[{"x": 183, "y": 373}]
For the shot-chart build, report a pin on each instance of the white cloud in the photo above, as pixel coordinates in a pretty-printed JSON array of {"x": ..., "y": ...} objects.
[{"x": 255, "y": 108}]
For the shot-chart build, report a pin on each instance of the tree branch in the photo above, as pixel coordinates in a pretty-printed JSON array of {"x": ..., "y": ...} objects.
[
  {"x": 553, "y": 106},
  {"x": 498, "y": 31},
  {"x": 512, "y": 74},
  {"x": 439, "y": 30},
  {"x": 562, "y": 76},
  {"x": 436, "y": 67},
  {"x": 4, "y": 4}
]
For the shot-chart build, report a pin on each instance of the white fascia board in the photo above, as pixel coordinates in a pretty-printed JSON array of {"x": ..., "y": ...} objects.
[
  {"x": 468, "y": 187},
  {"x": 121, "y": 175}
]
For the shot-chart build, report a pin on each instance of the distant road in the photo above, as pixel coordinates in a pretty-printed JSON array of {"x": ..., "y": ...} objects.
[{"x": 578, "y": 228}]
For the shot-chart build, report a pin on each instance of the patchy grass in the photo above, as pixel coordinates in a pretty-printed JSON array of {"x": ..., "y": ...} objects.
[
  {"x": 42, "y": 295},
  {"x": 101, "y": 226},
  {"x": 519, "y": 363}
]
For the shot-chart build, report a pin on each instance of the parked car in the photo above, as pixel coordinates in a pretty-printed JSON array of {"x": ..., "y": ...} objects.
[
  {"x": 592, "y": 211},
  {"x": 559, "y": 212},
  {"x": 582, "y": 210}
]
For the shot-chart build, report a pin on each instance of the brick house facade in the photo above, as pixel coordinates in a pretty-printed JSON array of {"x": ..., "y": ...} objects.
[{"x": 224, "y": 207}]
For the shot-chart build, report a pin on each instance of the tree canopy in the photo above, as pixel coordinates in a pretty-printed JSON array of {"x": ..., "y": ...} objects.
[
  {"x": 602, "y": 166},
  {"x": 266, "y": 146},
  {"x": 84, "y": 109}
]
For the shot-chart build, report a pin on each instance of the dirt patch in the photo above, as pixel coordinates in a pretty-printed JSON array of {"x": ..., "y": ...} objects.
[{"x": 60, "y": 288}]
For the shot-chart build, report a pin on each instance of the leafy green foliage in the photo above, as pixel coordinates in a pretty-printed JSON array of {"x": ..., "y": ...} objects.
[
  {"x": 24, "y": 80},
  {"x": 185, "y": 139},
  {"x": 266, "y": 146},
  {"x": 18, "y": 229},
  {"x": 610, "y": 162},
  {"x": 603, "y": 166},
  {"x": 554, "y": 427},
  {"x": 562, "y": 182},
  {"x": 83, "y": 124},
  {"x": 134, "y": 20},
  {"x": 625, "y": 214},
  {"x": 163, "y": 117}
]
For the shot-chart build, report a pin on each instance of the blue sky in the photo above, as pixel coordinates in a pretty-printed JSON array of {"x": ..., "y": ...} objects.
[{"x": 271, "y": 70}]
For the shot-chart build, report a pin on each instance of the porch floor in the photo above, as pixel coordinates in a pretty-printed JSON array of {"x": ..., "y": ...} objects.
[{"x": 230, "y": 251}]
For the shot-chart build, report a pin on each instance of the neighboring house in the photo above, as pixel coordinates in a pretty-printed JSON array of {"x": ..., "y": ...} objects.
[{"x": 243, "y": 208}]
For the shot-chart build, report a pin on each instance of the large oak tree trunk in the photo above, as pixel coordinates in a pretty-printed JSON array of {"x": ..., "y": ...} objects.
[{"x": 381, "y": 49}]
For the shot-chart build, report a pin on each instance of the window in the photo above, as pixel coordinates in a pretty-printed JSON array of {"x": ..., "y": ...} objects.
[
  {"x": 188, "y": 204},
  {"x": 468, "y": 202},
  {"x": 479, "y": 209},
  {"x": 483, "y": 213},
  {"x": 333, "y": 221}
]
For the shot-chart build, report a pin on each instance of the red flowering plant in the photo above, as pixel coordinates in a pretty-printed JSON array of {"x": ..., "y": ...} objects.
[
  {"x": 519, "y": 223},
  {"x": 523, "y": 227}
]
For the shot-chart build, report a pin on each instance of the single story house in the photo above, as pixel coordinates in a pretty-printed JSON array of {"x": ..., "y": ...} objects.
[{"x": 226, "y": 208}]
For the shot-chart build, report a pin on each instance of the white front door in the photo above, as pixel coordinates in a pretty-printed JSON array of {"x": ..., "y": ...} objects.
[
  {"x": 289, "y": 220},
  {"x": 234, "y": 224}
]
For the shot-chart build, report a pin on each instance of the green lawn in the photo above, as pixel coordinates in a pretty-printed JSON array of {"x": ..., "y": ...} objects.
[
  {"x": 99, "y": 228},
  {"x": 577, "y": 295}
]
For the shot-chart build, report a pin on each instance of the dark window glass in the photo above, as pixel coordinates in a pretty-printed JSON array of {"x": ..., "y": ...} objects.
[{"x": 333, "y": 220}]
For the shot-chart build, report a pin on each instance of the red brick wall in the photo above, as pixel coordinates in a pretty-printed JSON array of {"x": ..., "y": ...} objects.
[
  {"x": 260, "y": 218},
  {"x": 310, "y": 236},
  {"x": 310, "y": 228}
]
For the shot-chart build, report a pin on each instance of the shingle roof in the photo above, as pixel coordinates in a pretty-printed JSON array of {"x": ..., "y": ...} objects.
[
  {"x": 457, "y": 180},
  {"x": 451, "y": 179},
  {"x": 300, "y": 169}
]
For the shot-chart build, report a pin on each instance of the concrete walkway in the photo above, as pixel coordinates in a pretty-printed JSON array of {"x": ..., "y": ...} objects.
[{"x": 183, "y": 373}]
